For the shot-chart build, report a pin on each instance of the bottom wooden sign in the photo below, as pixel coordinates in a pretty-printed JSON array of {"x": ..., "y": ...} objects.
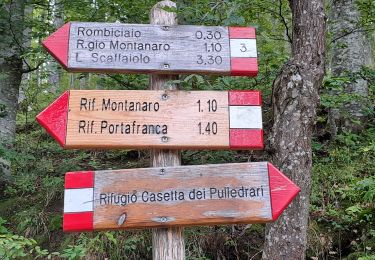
[{"x": 175, "y": 196}]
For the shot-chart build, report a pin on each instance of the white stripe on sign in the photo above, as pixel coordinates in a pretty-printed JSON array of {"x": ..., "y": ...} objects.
[
  {"x": 243, "y": 48},
  {"x": 245, "y": 117},
  {"x": 78, "y": 200}
]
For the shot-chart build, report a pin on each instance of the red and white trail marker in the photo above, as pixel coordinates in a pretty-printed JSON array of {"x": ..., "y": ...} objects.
[
  {"x": 175, "y": 196},
  {"x": 144, "y": 48},
  {"x": 156, "y": 118}
]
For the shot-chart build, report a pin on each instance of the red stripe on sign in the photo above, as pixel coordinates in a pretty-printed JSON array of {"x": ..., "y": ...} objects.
[
  {"x": 54, "y": 118},
  {"x": 282, "y": 191},
  {"x": 245, "y": 98},
  {"x": 79, "y": 180},
  {"x": 82, "y": 221},
  {"x": 246, "y": 138},
  {"x": 242, "y": 33},
  {"x": 244, "y": 67},
  {"x": 57, "y": 44}
]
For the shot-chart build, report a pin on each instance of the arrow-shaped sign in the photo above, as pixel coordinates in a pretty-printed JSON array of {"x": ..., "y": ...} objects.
[
  {"x": 159, "y": 119},
  {"x": 175, "y": 196},
  {"x": 144, "y": 48}
]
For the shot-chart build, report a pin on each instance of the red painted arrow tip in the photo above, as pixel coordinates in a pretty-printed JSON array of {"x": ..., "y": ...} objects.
[
  {"x": 57, "y": 44},
  {"x": 54, "y": 118},
  {"x": 282, "y": 190}
]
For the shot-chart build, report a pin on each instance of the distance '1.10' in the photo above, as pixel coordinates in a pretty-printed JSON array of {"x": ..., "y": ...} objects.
[{"x": 211, "y": 104}]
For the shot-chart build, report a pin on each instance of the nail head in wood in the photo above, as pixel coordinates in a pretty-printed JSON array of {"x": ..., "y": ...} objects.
[{"x": 121, "y": 219}]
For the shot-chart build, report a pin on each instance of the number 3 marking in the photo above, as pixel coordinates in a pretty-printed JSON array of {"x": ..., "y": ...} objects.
[{"x": 243, "y": 47}]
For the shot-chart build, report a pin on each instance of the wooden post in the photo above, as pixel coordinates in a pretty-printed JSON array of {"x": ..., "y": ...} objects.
[{"x": 167, "y": 243}]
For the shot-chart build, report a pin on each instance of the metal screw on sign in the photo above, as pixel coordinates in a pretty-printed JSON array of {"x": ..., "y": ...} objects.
[
  {"x": 121, "y": 219},
  {"x": 164, "y": 139},
  {"x": 164, "y": 96},
  {"x": 165, "y": 28},
  {"x": 166, "y": 66},
  {"x": 163, "y": 219},
  {"x": 162, "y": 171}
]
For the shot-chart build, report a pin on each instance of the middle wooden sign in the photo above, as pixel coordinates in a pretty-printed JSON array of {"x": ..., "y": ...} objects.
[{"x": 159, "y": 119}]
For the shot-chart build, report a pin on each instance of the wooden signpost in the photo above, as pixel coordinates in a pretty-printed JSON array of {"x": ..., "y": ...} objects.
[
  {"x": 144, "y": 48},
  {"x": 175, "y": 196},
  {"x": 168, "y": 196},
  {"x": 156, "y": 118},
  {"x": 167, "y": 243}
]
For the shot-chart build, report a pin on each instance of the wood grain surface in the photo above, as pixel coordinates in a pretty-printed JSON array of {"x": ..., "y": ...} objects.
[
  {"x": 161, "y": 119},
  {"x": 174, "y": 196},
  {"x": 116, "y": 46},
  {"x": 155, "y": 48},
  {"x": 184, "y": 195}
]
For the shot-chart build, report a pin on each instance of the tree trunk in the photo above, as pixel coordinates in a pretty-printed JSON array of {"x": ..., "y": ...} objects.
[
  {"x": 295, "y": 98},
  {"x": 26, "y": 45},
  {"x": 351, "y": 50},
  {"x": 11, "y": 22},
  {"x": 57, "y": 8}
]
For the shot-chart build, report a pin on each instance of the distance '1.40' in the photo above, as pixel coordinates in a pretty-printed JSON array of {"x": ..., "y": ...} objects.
[{"x": 207, "y": 128}]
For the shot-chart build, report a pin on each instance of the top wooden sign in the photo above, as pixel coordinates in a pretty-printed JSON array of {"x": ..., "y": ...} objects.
[{"x": 143, "y": 48}]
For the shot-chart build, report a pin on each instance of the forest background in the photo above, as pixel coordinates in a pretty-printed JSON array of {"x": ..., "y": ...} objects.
[{"x": 341, "y": 210}]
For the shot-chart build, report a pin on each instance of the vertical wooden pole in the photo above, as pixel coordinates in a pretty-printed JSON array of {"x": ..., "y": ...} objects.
[{"x": 167, "y": 243}]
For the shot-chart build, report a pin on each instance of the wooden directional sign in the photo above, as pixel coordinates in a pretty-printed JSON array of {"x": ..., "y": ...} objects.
[
  {"x": 144, "y": 48},
  {"x": 159, "y": 119},
  {"x": 175, "y": 196}
]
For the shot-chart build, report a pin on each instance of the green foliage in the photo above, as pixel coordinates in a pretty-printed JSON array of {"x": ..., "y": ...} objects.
[
  {"x": 231, "y": 242},
  {"x": 335, "y": 85},
  {"x": 17, "y": 247},
  {"x": 117, "y": 245},
  {"x": 74, "y": 252},
  {"x": 14, "y": 246},
  {"x": 367, "y": 186},
  {"x": 367, "y": 9},
  {"x": 343, "y": 208},
  {"x": 3, "y": 229},
  {"x": 335, "y": 94},
  {"x": 343, "y": 191}
]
